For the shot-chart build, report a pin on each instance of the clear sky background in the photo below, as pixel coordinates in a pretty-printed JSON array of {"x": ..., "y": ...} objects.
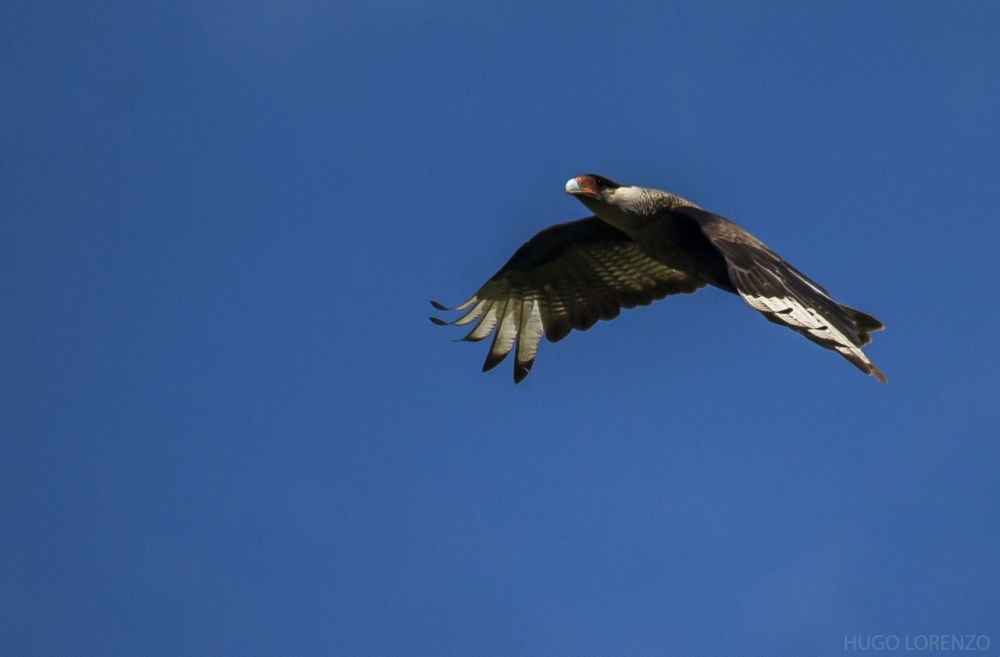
[{"x": 229, "y": 429}]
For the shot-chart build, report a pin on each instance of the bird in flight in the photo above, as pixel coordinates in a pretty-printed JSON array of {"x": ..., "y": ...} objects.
[{"x": 640, "y": 246}]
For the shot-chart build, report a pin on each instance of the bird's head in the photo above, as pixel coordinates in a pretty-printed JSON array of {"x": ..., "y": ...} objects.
[
  {"x": 592, "y": 187},
  {"x": 622, "y": 206}
]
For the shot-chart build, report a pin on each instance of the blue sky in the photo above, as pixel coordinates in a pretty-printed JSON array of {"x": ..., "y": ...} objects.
[{"x": 229, "y": 429}]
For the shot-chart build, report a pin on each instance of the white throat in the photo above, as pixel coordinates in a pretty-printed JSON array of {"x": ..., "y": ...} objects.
[{"x": 614, "y": 212}]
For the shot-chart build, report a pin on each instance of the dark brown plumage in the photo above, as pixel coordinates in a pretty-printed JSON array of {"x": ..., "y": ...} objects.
[{"x": 643, "y": 245}]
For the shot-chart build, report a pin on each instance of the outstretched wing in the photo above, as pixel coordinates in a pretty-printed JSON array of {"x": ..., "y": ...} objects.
[
  {"x": 786, "y": 296},
  {"x": 566, "y": 277}
]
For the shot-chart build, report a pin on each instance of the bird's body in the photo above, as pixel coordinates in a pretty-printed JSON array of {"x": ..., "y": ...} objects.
[{"x": 642, "y": 245}]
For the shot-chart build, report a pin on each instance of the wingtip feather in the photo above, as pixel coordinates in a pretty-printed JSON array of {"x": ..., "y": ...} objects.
[
  {"x": 493, "y": 359},
  {"x": 521, "y": 370}
]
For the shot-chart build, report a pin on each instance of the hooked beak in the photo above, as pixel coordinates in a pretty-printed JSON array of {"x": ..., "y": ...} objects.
[{"x": 581, "y": 186}]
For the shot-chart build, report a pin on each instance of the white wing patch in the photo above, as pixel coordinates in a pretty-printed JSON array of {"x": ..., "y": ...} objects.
[{"x": 793, "y": 313}]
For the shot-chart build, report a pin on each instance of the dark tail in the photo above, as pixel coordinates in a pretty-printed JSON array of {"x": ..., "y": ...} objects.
[{"x": 866, "y": 323}]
